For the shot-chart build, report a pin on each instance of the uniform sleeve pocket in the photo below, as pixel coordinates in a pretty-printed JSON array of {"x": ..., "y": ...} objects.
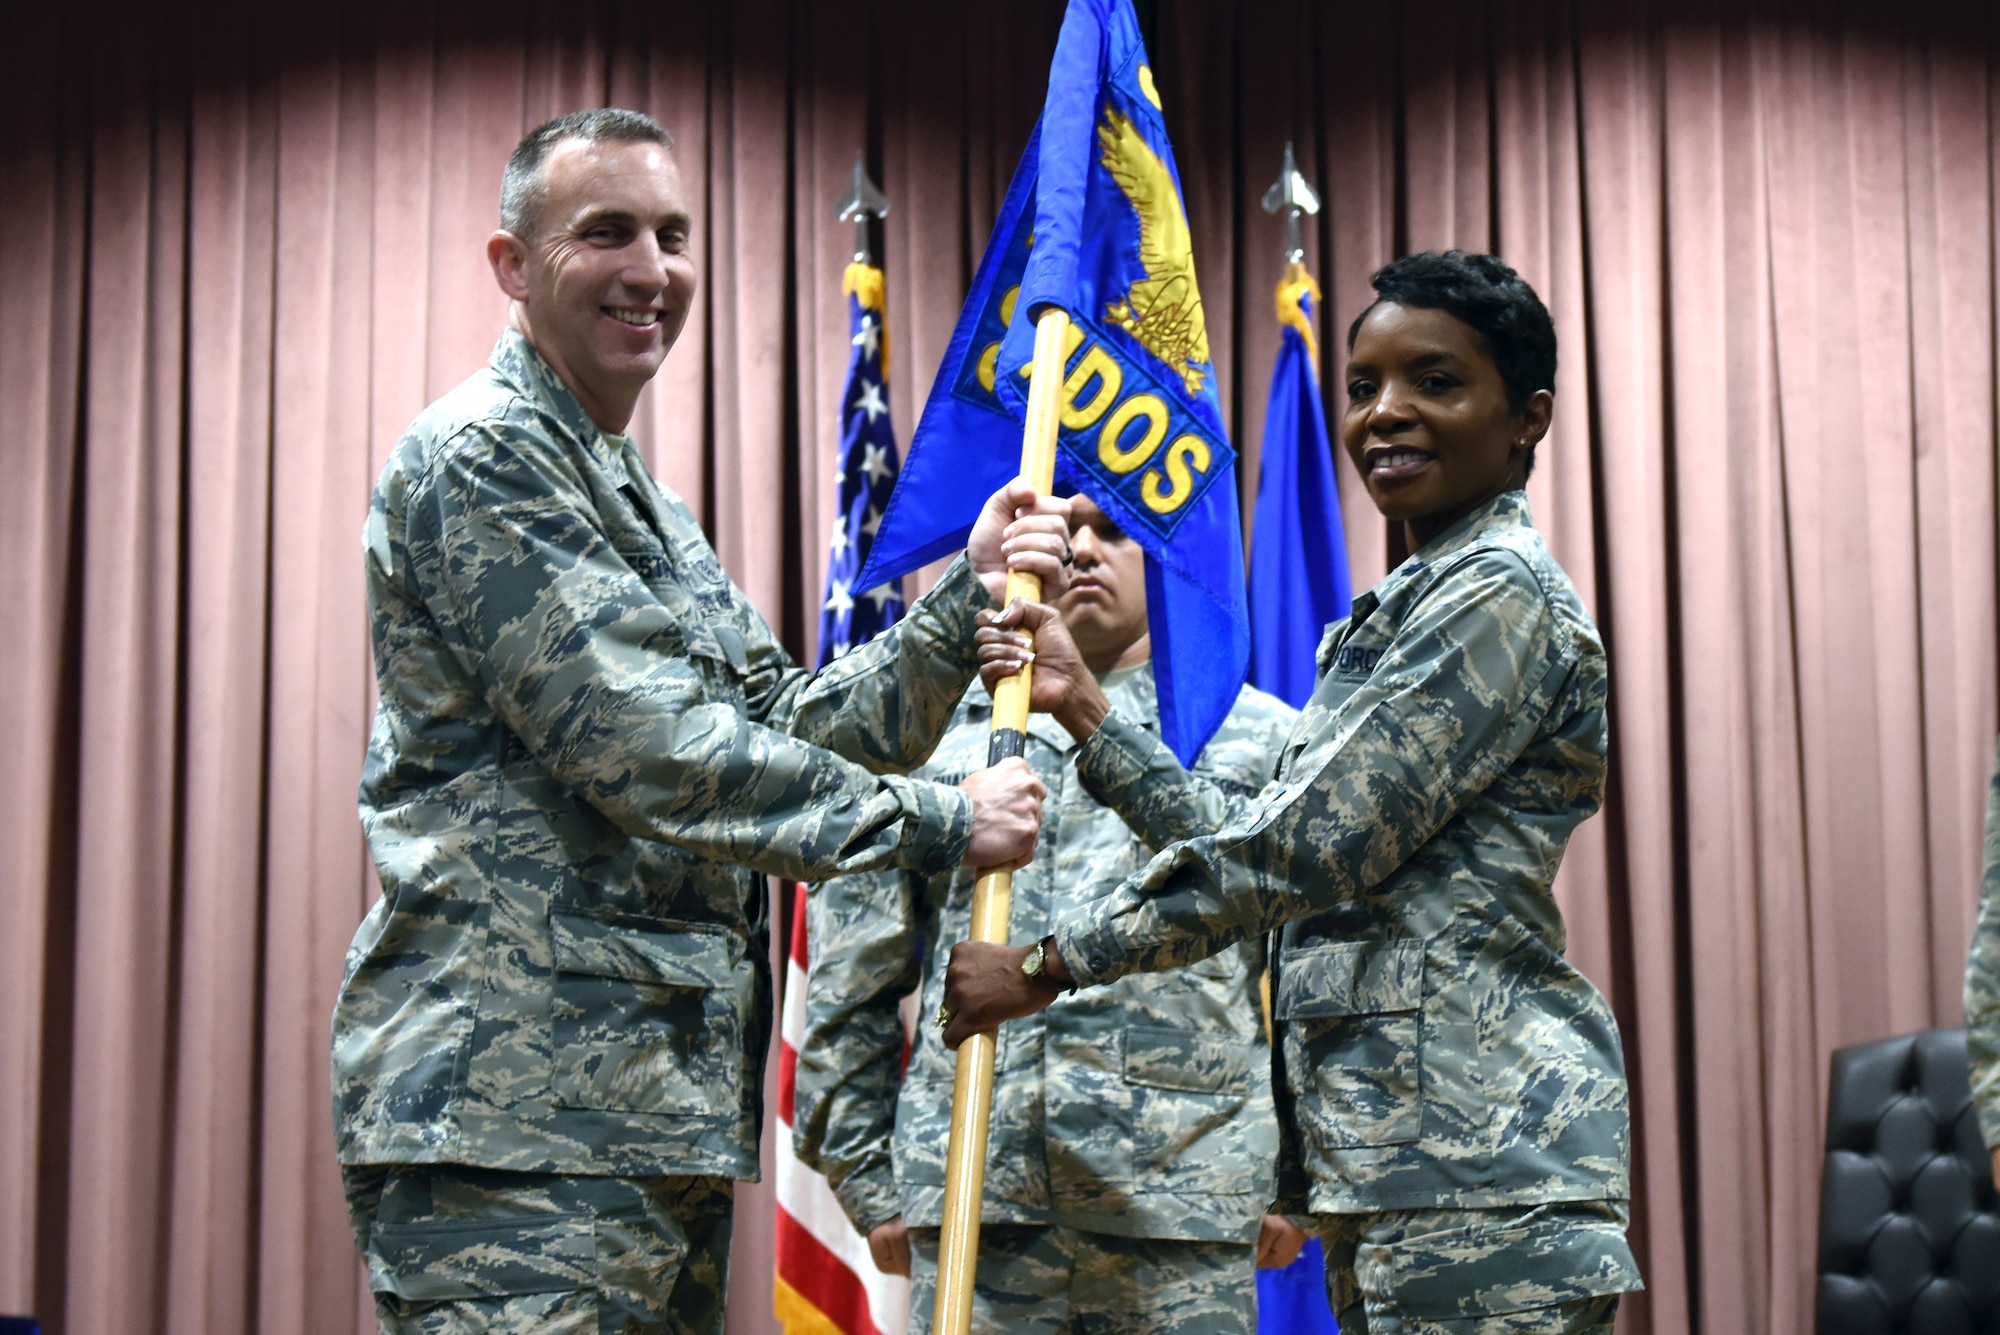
[
  {"x": 1352, "y": 1021},
  {"x": 649, "y": 1017}
]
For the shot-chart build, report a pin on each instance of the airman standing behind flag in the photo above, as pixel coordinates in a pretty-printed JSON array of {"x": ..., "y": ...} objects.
[
  {"x": 1134, "y": 1143},
  {"x": 1088, "y": 289},
  {"x": 549, "y": 1043}
]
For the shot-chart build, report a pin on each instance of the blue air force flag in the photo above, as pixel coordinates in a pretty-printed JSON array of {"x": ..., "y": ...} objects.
[
  {"x": 1094, "y": 223},
  {"x": 852, "y": 611},
  {"x": 1298, "y": 555}
]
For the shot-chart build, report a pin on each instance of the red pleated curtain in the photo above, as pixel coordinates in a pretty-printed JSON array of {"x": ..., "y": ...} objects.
[{"x": 239, "y": 249}]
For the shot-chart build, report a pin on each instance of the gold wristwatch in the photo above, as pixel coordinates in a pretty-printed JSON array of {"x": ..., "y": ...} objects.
[{"x": 1036, "y": 965}]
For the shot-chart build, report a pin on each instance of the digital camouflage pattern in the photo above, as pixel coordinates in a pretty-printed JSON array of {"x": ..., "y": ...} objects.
[
  {"x": 1540, "y": 1270},
  {"x": 1982, "y": 979},
  {"x": 1142, "y": 1109},
  {"x": 588, "y": 742},
  {"x": 1436, "y": 1049},
  {"x": 1047, "y": 1280},
  {"x": 453, "y": 1250}
]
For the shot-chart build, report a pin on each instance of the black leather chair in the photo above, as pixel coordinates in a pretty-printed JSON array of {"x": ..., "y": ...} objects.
[{"x": 1909, "y": 1227}]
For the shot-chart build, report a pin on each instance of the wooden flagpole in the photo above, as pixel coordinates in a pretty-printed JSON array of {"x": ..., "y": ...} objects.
[{"x": 992, "y": 894}]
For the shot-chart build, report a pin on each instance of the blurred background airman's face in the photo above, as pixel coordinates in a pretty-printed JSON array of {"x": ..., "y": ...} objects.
[{"x": 1105, "y": 604}]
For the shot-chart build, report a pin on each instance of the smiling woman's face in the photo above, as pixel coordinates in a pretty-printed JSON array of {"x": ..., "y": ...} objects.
[{"x": 1428, "y": 424}]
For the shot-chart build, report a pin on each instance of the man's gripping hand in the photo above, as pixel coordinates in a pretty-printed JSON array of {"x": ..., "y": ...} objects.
[
  {"x": 1020, "y": 530},
  {"x": 1006, "y": 814}
]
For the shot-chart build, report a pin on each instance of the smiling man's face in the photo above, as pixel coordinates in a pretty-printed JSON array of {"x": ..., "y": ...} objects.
[
  {"x": 1428, "y": 424},
  {"x": 603, "y": 288}
]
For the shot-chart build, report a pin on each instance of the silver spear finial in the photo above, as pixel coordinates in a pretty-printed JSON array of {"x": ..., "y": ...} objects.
[
  {"x": 1294, "y": 197},
  {"x": 862, "y": 202}
]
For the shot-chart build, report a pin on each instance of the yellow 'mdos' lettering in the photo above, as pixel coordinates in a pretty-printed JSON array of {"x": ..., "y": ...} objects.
[
  {"x": 1110, "y": 450},
  {"x": 1184, "y": 451},
  {"x": 1096, "y": 364}
]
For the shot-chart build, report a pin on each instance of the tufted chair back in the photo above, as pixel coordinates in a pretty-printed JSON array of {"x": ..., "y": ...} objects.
[{"x": 1909, "y": 1228}]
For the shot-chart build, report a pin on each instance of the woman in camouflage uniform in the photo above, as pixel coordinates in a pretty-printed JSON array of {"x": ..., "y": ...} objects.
[{"x": 1452, "y": 1089}]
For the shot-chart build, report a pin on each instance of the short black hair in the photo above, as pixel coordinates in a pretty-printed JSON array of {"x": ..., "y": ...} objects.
[
  {"x": 1485, "y": 293},
  {"x": 522, "y": 190}
]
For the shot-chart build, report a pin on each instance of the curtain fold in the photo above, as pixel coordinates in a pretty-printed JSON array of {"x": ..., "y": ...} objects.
[{"x": 240, "y": 250}]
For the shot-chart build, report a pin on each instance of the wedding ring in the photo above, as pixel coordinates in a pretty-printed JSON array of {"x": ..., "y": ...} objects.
[{"x": 943, "y": 1015}]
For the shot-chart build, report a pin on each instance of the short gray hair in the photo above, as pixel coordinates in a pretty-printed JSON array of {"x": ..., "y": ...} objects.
[{"x": 522, "y": 189}]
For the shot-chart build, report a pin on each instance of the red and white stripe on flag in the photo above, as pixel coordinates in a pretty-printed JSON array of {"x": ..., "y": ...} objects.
[{"x": 827, "y": 1283}]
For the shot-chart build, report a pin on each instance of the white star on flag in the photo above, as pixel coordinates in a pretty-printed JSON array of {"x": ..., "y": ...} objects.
[
  {"x": 839, "y": 540},
  {"x": 870, "y": 401},
  {"x": 875, "y": 463},
  {"x": 872, "y": 522},
  {"x": 881, "y": 595},
  {"x": 840, "y": 600},
  {"x": 870, "y": 336}
]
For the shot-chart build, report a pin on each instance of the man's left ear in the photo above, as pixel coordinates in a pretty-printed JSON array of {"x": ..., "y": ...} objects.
[{"x": 508, "y": 255}]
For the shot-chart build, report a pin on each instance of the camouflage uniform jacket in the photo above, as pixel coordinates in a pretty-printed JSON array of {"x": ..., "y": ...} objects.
[
  {"x": 1436, "y": 1048},
  {"x": 1142, "y": 1109},
  {"x": 1982, "y": 979},
  {"x": 587, "y": 743}
]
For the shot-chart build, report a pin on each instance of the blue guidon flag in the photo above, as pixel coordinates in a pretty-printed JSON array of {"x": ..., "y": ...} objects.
[
  {"x": 1093, "y": 223},
  {"x": 853, "y": 610}
]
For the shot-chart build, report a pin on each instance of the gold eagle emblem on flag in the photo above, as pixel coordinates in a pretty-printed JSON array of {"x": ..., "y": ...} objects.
[{"x": 1162, "y": 310}]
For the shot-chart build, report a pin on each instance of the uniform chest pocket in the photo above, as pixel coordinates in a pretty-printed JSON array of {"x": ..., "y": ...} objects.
[
  {"x": 1352, "y": 1019},
  {"x": 1196, "y": 1126},
  {"x": 701, "y": 609},
  {"x": 648, "y": 1017}
]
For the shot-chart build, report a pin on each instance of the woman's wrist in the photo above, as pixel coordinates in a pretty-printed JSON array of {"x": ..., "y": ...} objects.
[{"x": 1084, "y": 712}]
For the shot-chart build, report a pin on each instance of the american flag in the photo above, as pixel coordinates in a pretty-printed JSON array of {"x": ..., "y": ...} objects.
[
  {"x": 868, "y": 461},
  {"x": 826, "y": 1282}
]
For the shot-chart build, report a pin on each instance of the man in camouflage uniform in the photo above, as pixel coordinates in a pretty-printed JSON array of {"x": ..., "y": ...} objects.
[
  {"x": 1133, "y": 1142},
  {"x": 1455, "y": 1087},
  {"x": 1982, "y": 984},
  {"x": 549, "y": 1043}
]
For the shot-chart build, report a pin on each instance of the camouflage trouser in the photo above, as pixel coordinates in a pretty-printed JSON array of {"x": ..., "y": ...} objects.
[
  {"x": 1038, "y": 1280},
  {"x": 1531, "y": 1270},
  {"x": 457, "y": 1251}
]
